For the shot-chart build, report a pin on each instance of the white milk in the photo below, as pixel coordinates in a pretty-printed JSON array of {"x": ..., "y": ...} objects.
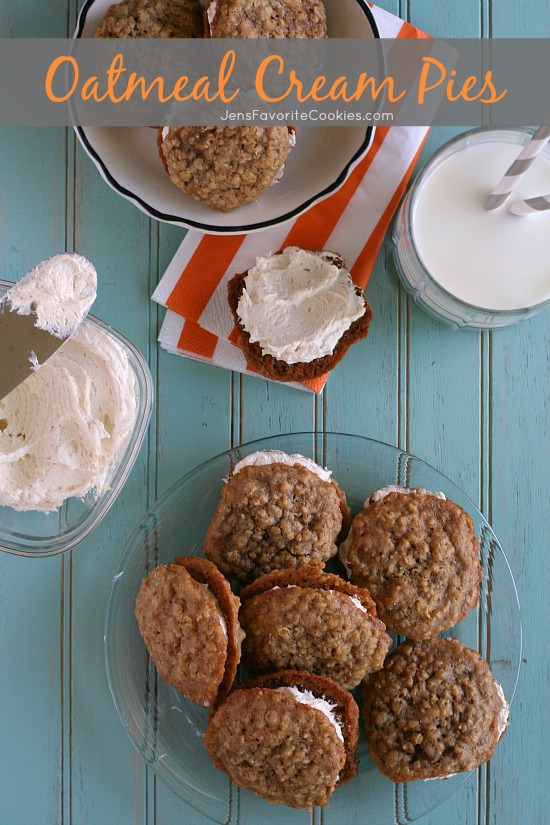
[{"x": 490, "y": 259}]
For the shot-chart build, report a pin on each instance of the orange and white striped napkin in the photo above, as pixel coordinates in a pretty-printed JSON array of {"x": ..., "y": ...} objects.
[{"x": 353, "y": 221}]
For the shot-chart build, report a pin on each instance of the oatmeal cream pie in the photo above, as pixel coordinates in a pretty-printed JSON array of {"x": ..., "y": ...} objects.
[
  {"x": 433, "y": 711},
  {"x": 188, "y": 618},
  {"x": 225, "y": 166},
  {"x": 153, "y": 18},
  {"x": 297, "y": 313},
  {"x": 289, "y": 737},
  {"x": 314, "y": 621},
  {"x": 418, "y": 555},
  {"x": 266, "y": 18},
  {"x": 275, "y": 511}
]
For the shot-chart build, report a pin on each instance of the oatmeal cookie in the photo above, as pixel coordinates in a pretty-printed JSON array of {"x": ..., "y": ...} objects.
[
  {"x": 266, "y": 18},
  {"x": 274, "y": 516},
  {"x": 418, "y": 555},
  {"x": 224, "y": 166},
  {"x": 153, "y": 18},
  {"x": 434, "y": 710},
  {"x": 280, "y": 744},
  {"x": 311, "y": 621},
  {"x": 187, "y": 616},
  {"x": 277, "y": 368}
]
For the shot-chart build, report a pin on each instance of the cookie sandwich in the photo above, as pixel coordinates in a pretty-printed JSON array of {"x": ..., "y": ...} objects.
[
  {"x": 313, "y": 621},
  {"x": 275, "y": 511},
  {"x": 225, "y": 167},
  {"x": 188, "y": 618},
  {"x": 297, "y": 312},
  {"x": 289, "y": 737},
  {"x": 418, "y": 555},
  {"x": 265, "y": 18},
  {"x": 433, "y": 711},
  {"x": 153, "y": 18}
]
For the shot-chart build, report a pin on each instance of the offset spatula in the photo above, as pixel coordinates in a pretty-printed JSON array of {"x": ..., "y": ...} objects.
[
  {"x": 57, "y": 287},
  {"x": 22, "y": 347}
]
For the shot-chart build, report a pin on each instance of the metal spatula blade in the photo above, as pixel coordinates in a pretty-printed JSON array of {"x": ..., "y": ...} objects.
[{"x": 22, "y": 347}]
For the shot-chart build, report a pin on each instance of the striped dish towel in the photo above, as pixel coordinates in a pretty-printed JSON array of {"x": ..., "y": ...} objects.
[{"x": 353, "y": 222}]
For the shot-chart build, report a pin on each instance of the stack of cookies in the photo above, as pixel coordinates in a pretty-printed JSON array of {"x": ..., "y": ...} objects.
[
  {"x": 223, "y": 167},
  {"x": 309, "y": 637}
]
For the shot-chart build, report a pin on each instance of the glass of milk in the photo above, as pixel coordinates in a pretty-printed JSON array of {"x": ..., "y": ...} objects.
[{"x": 468, "y": 266}]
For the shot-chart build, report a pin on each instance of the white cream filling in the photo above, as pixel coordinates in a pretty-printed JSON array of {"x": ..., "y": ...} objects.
[
  {"x": 378, "y": 495},
  {"x": 211, "y": 11},
  {"x": 218, "y": 608},
  {"x": 298, "y": 304},
  {"x": 306, "y": 697},
  {"x": 60, "y": 291},
  {"x": 264, "y": 457},
  {"x": 165, "y": 131},
  {"x": 504, "y": 713},
  {"x": 63, "y": 429},
  {"x": 435, "y": 778},
  {"x": 343, "y": 551}
]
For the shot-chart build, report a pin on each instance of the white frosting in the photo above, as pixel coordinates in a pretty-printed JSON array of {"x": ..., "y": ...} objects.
[
  {"x": 64, "y": 427},
  {"x": 165, "y": 131},
  {"x": 218, "y": 608},
  {"x": 343, "y": 550},
  {"x": 60, "y": 291},
  {"x": 297, "y": 305},
  {"x": 306, "y": 697},
  {"x": 395, "y": 488},
  {"x": 358, "y": 604},
  {"x": 436, "y": 778},
  {"x": 504, "y": 713},
  {"x": 211, "y": 11},
  {"x": 263, "y": 457}
]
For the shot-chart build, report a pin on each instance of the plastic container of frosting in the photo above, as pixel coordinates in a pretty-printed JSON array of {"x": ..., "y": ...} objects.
[
  {"x": 40, "y": 532},
  {"x": 465, "y": 265}
]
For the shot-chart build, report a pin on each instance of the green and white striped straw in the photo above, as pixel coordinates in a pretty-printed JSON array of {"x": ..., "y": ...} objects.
[
  {"x": 531, "y": 205},
  {"x": 518, "y": 168}
]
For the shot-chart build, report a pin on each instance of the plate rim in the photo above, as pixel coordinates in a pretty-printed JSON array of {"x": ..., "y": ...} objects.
[{"x": 190, "y": 223}]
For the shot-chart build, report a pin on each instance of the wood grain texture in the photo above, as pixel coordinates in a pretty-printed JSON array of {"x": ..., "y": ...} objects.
[{"x": 476, "y": 405}]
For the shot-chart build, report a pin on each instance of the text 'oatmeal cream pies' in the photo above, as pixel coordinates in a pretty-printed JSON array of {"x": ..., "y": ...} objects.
[
  {"x": 309, "y": 620},
  {"x": 225, "y": 167},
  {"x": 153, "y": 18},
  {"x": 297, "y": 313},
  {"x": 265, "y": 18},
  {"x": 188, "y": 618},
  {"x": 433, "y": 711},
  {"x": 289, "y": 737},
  {"x": 275, "y": 511},
  {"x": 418, "y": 555}
]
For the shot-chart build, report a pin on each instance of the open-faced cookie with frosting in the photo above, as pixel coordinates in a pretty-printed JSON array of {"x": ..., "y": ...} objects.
[
  {"x": 266, "y": 18},
  {"x": 289, "y": 737},
  {"x": 225, "y": 167},
  {"x": 297, "y": 313},
  {"x": 310, "y": 620},
  {"x": 432, "y": 711},
  {"x": 153, "y": 18},
  {"x": 188, "y": 618},
  {"x": 275, "y": 511},
  {"x": 418, "y": 555}
]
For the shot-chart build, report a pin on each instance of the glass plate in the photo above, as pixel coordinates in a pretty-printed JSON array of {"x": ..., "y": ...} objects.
[{"x": 167, "y": 730}]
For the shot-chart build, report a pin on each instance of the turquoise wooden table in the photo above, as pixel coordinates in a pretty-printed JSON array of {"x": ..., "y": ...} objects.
[{"x": 475, "y": 405}]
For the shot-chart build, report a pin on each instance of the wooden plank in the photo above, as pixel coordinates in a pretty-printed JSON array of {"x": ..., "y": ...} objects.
[
  {"x": 519, "y": 508},
  {"x": 32, "y": 227},
  {"x": 194, "y": 423},
  {"x": 117, "y": 238}
]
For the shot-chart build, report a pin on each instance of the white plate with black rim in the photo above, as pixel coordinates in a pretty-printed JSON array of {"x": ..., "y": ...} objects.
[{"x": 127, "y": 157}]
